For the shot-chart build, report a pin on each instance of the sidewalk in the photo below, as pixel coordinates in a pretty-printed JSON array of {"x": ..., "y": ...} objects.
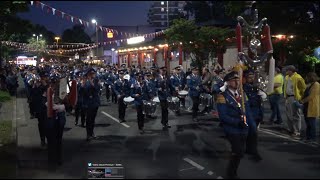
[{"x": 8, "y": 139}]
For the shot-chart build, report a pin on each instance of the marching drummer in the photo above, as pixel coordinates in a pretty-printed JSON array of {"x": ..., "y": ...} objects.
[
  {"x": 194, "y": 84},
  {"x": 151, "y": 89},
  {"x": 163, "y": 93},
  {"x": 139, "y": 91},
  {"x": 176, "y": 84},
  {"x": 122, "y": 90}
]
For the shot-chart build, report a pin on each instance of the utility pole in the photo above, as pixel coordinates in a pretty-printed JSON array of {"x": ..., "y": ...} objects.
[{"x": 167, "y": 14}]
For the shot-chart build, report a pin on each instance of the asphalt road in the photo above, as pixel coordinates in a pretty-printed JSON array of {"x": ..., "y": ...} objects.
[{"x": 187, "y": 150}]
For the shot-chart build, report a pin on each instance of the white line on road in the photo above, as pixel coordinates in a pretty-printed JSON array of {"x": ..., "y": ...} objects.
[
  {"x": 194, "y": 163},
  {"x": 186, "y": 169},
  {"x": 115, "y": 119},
  {"x": 219, "y": 177},
  {"x": 286, "y": 137},
  {"x": 210, "y": 173}
]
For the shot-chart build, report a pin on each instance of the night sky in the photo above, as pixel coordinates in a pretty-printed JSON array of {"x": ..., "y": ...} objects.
[{"x": 130, "y": 13}]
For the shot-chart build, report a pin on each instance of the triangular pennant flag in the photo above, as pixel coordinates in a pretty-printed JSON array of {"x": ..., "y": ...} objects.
[
  {"x": 53, "y": 11},
  {"x": 42, "y": 5},
  {"x": 31, "y": 2},
  {"x": 100, "y": 28},
  {"x": 62, "y": 14},
  {"x": 72, "y": 18},
  {"x": 48, "y": 10},
  {"x": 87, "y": 24},
  {"x": 116, "y": 32},
  {"x": 121, "y": 33},
  {"x": 80, "y": 21}
]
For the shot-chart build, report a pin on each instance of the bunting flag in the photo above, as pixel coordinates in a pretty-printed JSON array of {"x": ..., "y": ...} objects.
[
  {"x": 77, "y": 20},
  {"x": 31, "y": 2}
]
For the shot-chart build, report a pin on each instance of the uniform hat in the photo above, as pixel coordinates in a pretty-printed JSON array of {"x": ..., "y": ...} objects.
[
  {"x": 90, "y": 70},
  {"x": 248, "y": 72},
  {"x": 177, "y": 68},
  {"x": 163, "y": 68},
  {"x": 231, "y": 75},
  {"x": 147, "y": 73},
  {"x": 121, "y": 72}
]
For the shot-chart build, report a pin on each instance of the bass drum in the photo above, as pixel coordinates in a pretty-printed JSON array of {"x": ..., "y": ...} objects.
[
  {"x": 149, "y": 107},
  {"x": 173, "y": 103},
  {"x": 206, "y": 100},
  {"x": 128, "y": 100}
]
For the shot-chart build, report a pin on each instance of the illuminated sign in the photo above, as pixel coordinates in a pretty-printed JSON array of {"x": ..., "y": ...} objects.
[
  {"x": 135, "y": 40},
  {"x": 109, "y": 34}
]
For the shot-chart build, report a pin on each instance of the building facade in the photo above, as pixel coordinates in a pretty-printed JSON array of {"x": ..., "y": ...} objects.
[{"x": 158, "y": 15}]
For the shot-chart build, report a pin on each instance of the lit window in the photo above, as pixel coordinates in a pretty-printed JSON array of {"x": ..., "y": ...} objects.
[
  {"x": 162, "y": 9},
  {"x": 162, "y": 2}
]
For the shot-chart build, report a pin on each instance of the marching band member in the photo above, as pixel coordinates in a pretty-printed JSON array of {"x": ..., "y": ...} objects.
[
  {"x": 150, "y": 85},
  {"x": 236, "y": 122},
  {"x": 122, "y": 90},
  {"x": 163, "y": 93},
  {"x": 256, "y": 106},
  {"x": 176, "y": 83},
  {"x": 206, "y": 84},
  {"x": 112, "y": 79},
  {"x": 195, "y": 87},
  {"x": 92, "y": 98},
  {"x": 81, "y": 108},
  {"x": 139, "y": 91}
]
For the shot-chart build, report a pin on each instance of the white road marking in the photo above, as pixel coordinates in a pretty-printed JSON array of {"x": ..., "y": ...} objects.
[
  {"x": 286, "y": 137},
  {"x": 186, "y": 169},
  {"x": 219, "y": 177},
  {"x": 194, "y": 164},
  {"x": 115, "y": 119},
  {"x": 210, "y": 173}
]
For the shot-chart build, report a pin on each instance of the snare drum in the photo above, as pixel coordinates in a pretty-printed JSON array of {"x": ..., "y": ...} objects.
[
  {"x": 183, "y": 93},
  {"x": 156, "y": 99},
  {"x": 149, "y": 107},
  {"x": 173, "y": 103},
  {"x": 128, "y": 100},
  {"x": 206, "y": 100}
]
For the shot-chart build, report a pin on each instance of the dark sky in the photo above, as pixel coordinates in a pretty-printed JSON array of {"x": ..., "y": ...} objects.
[{"x": 105, "y": 12}]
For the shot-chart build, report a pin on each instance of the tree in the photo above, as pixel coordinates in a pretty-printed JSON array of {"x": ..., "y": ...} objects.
[
  {"x": 200, "y": 41},
  {"x": 206, "y": 10},
  {"x": 76, "y": 35},
  {"x": 8, "y": 10}
]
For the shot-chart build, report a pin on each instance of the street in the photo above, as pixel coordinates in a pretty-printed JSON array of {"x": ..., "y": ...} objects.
[{"x": 188, "y": 150}]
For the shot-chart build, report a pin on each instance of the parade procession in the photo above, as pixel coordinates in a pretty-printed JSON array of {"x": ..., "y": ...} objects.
[{"x": 170, "y": 102}]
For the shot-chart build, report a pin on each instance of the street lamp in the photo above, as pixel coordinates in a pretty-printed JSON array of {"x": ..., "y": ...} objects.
[
  {"x": 93, "y": 21},
  {"x": 57, "y": 39},
  {"x": 34, "y": 35}
]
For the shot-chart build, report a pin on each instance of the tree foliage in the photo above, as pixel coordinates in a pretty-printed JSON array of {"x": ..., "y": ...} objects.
[
  {"x": 76, "y": 35},
  {"x": 200, "y": 41}
]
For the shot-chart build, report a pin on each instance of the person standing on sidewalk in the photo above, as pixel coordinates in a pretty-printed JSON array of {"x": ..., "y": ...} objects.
[
  {"x": 311, "y": 105},
  {"x": 274, "y": 97},
  {"x": 294, "y": 87}
]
